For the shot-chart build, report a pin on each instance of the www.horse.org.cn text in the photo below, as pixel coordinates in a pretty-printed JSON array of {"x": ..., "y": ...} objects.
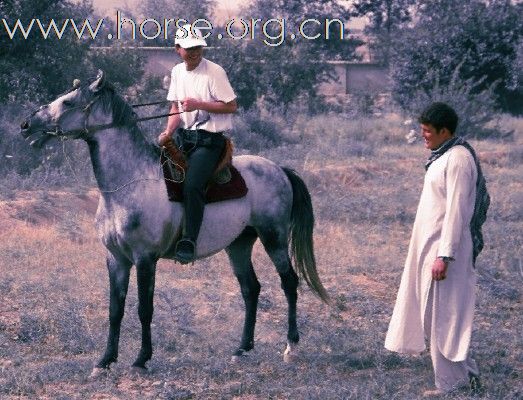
[{"x": 273, "y": 31}]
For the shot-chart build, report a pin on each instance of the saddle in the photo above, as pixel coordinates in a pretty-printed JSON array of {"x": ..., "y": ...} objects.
[{"x": 226, "y": 183}]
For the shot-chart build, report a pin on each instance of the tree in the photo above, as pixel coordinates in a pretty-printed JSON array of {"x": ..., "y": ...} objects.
[
  {"x": 278, "y": 67},
  {"x": 479, "y": 37},
  {"x": 514, "y": 99},
  {"x": 36, "y": 69},
  {"x": 173, "y": 9},
  {"x": 386, "y": 19}
]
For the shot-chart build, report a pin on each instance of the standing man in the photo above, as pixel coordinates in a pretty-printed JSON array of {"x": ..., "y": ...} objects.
[
  {"x": 200, "y": 91},
  {"x": 436, "y": 296}
]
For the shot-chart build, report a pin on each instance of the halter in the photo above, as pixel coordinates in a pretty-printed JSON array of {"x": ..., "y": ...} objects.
[
  {"x": 59, "y": 132},
  {"x": 86, "y": 109},
  {"x": 86, "y": 130}
]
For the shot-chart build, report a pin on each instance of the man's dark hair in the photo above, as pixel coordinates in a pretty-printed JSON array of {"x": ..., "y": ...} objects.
[{"x": 440, "y": 115}]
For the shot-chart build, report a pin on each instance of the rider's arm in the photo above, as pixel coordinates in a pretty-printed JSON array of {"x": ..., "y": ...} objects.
[
  {"x": 172, "y": 123},
  {"x": 216, "y": 107}
]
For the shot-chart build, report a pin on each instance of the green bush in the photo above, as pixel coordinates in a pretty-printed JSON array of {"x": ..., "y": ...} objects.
[
  {"x": 478, "y": 40},
  {"x": 256, "y": 130},
  {"x": 476, "y": 108}
]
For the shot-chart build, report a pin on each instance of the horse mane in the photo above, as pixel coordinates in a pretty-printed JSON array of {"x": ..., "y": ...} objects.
[{"x": 123, "y": 114}]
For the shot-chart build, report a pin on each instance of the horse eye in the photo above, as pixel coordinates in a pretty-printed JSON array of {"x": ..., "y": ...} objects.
[{"x": 67, "y": 103}]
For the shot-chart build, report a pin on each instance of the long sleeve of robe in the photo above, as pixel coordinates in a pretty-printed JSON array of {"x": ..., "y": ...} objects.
[{"x": 441, "y": 228}]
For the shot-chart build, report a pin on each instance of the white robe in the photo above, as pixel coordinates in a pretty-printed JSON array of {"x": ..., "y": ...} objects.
[{"x": 441, "y": 228}]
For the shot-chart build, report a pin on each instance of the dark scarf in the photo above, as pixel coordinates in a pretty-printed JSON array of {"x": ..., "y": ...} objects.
[
  {"x": 435, "y": 154},
  {"x": 482, "y": 202}
]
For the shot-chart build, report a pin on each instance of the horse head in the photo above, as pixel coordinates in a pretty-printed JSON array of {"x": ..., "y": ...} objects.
[{"x": 71, "y": 115}]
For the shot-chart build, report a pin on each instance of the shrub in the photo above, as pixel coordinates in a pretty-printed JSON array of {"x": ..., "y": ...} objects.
[
  {"x": 476, "y": 108},
  {"x": 476, "y": 39},
  {"x": 257, "y": 130}
]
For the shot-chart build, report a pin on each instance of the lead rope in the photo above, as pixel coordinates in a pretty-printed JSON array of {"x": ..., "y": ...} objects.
[
  {"x": 159, "y": 177},
  {"x": 111, "y": 125}
]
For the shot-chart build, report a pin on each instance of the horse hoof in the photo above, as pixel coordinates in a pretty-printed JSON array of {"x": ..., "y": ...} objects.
[
  {"x": 138, "y": 370},
  {"x": 240, "y": 355},
  {"x": 289, "y": 355},
  {"x": 98, "y": 372}
]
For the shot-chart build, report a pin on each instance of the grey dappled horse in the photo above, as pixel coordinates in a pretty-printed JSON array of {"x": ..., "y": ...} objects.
[{"x": 138, "y": 224}]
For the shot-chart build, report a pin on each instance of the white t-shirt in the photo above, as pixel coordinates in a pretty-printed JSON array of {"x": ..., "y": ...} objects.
[{"x": 207, "y": 82}]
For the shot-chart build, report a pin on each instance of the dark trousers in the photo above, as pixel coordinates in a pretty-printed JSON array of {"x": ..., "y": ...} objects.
[{"x": 202, "y": 162}]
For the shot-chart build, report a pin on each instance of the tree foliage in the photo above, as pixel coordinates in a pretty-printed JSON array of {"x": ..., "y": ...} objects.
[
  {"x": 475, "y": 106},
  {"x": 173, "y": 9},
  {"x": 35, "y": 69},
  {"x": 283, "y": 70},
  {"x": 480, "y": 37},
  {"x": 386, "y": 19},
  {"x": 176, "y": 9}
]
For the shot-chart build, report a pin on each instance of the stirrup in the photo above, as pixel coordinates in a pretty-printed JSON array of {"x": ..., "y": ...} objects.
[{"x": 184, "y": 255}]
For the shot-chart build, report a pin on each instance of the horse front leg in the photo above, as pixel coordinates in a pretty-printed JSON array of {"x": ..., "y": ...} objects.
[
  {"x": 145, "y": 275},
  {"x": 250, "y": 288},
  {"x": 119, "y": 271},
  {"x": 239, "y": 253}
]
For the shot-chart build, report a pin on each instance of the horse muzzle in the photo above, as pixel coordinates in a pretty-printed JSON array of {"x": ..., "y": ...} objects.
[
  {"x": 37, "y": 136},
  {"x": 24, "y": 129}
]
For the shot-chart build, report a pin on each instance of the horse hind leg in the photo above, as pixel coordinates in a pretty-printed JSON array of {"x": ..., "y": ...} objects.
[
  {"x": 275, "y": 244},
  {"x": 239, "y": 253},
  {"x": 119, "y": 271},
  {"x": 145, "y": 275},
  {"x": 289, "y": 284}
]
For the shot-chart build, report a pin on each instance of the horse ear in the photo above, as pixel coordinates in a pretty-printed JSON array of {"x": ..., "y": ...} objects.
[{"x": 98, "y": 82}]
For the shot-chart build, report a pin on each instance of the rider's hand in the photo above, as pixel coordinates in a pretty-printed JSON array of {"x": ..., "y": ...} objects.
[
  {"x": 164, "y": 137},
  {"x": 190, "y": 104}
]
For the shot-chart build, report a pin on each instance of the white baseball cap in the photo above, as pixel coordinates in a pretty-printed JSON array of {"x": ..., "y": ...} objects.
[{"x": 188, "y": 36}]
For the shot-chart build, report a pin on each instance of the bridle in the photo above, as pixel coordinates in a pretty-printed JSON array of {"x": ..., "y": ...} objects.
[
  {"x": 86, "y": 109},
  {"x": 59, "y": 132}
]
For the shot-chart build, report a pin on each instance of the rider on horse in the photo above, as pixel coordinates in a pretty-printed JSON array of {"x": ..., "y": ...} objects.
[{"x": 202, "y": 96}]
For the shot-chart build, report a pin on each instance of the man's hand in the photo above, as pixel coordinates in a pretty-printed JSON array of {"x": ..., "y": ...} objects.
[
  {"x": 164, "y": 137},
  {"x": 439, "y": 269},
  {"x": 190, "y": 104},
  {"x": 215, "y": 107}
]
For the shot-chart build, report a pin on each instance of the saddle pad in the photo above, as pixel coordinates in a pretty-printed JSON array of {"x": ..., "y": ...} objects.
[{"x": 234, "y": 189}]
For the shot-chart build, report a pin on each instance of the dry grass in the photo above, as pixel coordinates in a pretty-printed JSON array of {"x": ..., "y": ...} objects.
[{"x": 54, "y": 292}]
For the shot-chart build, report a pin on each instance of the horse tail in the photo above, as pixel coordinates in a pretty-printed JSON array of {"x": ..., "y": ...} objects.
[{"x": 301, "y": 241}]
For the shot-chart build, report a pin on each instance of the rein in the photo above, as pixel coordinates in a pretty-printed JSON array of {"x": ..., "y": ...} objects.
[
  {"x": 159, "y": 176},
  {"x": 94, "y": 128},
  {"x": 87, "y": 109},
  {"x": 151, "y": 104}
]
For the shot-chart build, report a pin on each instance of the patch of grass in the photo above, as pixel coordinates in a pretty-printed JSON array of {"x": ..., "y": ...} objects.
[
  {"x": 71, "y": 328},
  {"x": 32, "y": 329},
  {"x": 54, "y": 288},
  {"x": 70, "y": 227}
]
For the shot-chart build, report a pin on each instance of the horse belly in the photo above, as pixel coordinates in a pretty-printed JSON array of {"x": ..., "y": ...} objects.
[{"x": 222, "y": 223}]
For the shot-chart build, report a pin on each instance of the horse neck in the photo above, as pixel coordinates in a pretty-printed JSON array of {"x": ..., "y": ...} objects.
[{"x": 121, "y": 157}]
